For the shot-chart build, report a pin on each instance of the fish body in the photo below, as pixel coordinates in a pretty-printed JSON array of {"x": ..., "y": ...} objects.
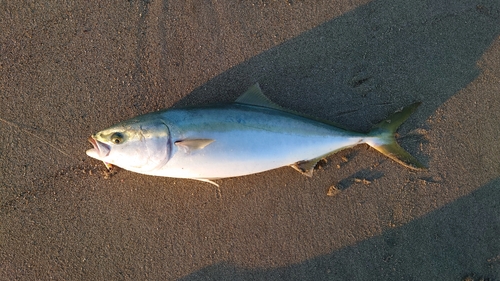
[{"x": 248, "y": 136}]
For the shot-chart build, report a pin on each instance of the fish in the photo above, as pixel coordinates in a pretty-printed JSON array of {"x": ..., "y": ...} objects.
[{"x": 251, "y": 135}]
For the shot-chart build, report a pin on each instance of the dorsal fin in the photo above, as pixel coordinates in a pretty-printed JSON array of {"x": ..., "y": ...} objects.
[{"x": 254, "y": 96}]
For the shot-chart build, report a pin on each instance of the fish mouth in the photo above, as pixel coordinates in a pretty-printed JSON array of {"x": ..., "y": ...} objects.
[{"x": 100, "y": 149}]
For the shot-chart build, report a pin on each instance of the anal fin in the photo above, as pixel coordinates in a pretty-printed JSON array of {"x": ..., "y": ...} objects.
[{"x": 306, "y": 167}]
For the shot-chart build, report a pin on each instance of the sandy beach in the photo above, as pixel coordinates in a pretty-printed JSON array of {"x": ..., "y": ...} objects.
[{"x": 71, "y": 68}]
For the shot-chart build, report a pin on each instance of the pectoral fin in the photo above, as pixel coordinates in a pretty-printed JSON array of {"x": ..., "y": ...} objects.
[
  {"x": 189, "y": 145},
  {"x": 306, "y": 167}
]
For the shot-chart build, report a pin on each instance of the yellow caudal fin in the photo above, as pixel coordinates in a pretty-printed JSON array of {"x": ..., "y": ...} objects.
[{"x": 382, "y": 138}]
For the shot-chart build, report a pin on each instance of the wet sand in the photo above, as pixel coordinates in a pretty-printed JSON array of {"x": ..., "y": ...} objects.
[{"x": 68, "y": 70}]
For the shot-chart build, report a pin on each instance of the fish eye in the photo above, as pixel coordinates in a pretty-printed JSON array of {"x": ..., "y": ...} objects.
[{"x": 117, "y": 138}]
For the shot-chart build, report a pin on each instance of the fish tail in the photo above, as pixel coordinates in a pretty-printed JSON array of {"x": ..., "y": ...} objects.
[{"x": 382, "y": 138}]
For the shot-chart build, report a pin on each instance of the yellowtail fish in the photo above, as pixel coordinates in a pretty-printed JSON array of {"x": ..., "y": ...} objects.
[{"x": 251, "y": 135}]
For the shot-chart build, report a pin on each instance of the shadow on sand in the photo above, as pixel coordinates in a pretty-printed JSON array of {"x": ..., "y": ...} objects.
[
  {"x": 365, "y": 64},
  {"x": 457, "y": 241},
  {"x": 355, "y": 70}
]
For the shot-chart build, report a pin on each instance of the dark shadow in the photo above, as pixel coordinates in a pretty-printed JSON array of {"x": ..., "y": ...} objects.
[
  {"x": 457, "y": 241},
  {"x": 355, "y": 70},
  {"x": 365, "y": 176},
  {"x": 358, "y": 68}
]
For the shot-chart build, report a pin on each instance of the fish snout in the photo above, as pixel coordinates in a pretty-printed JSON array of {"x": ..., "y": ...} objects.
[{"x": 99, "y": 150}]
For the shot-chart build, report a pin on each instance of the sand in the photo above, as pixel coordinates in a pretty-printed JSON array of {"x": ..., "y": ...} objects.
[{"x": 71, "y": 68}]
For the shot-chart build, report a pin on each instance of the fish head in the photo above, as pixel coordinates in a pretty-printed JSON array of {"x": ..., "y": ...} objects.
[{"x": 137, "y": 145}]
